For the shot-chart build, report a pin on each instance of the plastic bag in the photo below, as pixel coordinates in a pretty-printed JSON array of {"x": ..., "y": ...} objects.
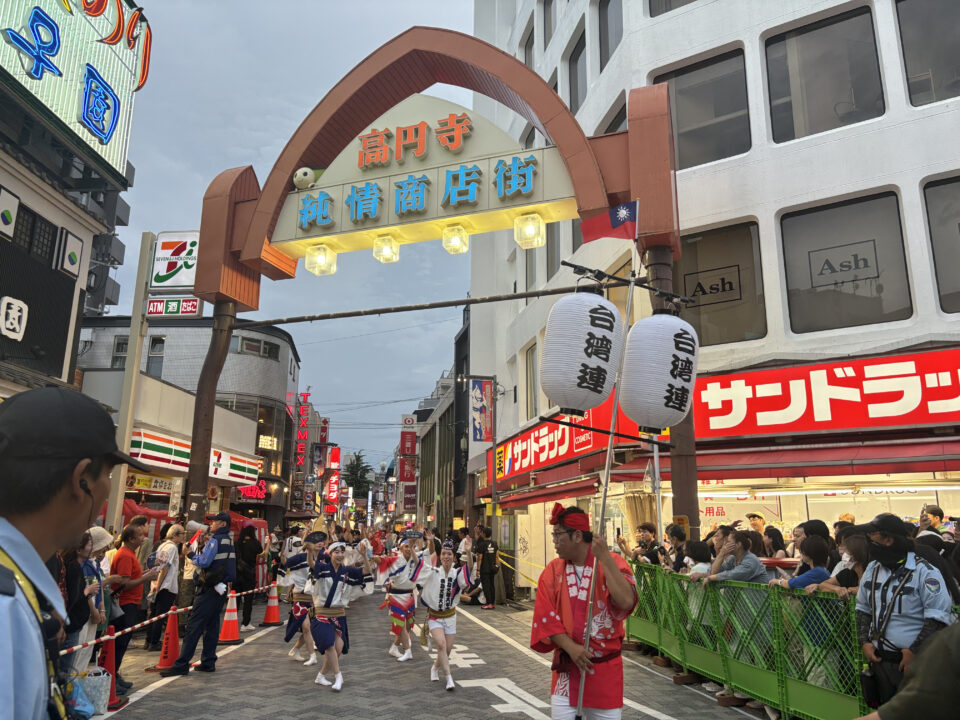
[
  {"x": 96, "y": 684},
  {"x": 77, "y": 702}
]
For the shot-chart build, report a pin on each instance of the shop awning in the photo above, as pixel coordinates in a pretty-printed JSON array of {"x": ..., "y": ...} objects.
[
  {"x": 873, "y": 459},
  {"x": 550, "y": 493}
]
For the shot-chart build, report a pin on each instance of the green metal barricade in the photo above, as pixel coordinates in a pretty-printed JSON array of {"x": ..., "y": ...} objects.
[{"x": 793, "y": 651}]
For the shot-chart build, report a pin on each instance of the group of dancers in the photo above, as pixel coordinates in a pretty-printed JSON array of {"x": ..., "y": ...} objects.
[{"x": 321, "y": 581}]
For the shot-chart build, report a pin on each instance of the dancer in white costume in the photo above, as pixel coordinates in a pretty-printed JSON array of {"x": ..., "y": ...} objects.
[
  {"x": 440, "y": 590},
  {"x": 334, "y": 586},
  {"x": 394, "y": 574},
  {"x": 295, "y": 576}
]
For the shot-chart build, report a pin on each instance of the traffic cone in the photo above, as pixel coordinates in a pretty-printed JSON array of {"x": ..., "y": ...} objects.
[
  {"x": 108, "y": 662},
  {"x": 272, "y": 615},
  {"x": 230, "y": 629},
  {"x": 171, "y": 643}
]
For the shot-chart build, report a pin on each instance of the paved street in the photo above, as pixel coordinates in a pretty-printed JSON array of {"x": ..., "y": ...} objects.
[{"x": 497, "y": 677}]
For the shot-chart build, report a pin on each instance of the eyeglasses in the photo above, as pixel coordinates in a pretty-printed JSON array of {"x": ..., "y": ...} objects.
[{"x": 560, "y": 534}]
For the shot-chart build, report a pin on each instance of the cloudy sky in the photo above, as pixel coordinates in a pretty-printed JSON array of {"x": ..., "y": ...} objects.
[{"x": 229, "y": 83}]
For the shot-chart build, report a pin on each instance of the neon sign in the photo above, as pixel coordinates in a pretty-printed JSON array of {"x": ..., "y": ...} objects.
[
  {"x": 83, "y": 60},
  {"x": 303, "y": 414}
]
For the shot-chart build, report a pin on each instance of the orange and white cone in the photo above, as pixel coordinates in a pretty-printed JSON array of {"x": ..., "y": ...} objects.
[
  {"x": 272, "y": 615},
  {"x": 230, "y": 629},
  {"x": 171, "y": 644}
]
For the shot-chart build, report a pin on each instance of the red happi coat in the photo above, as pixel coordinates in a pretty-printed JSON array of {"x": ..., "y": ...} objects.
[{"x": 561, "y": 607}]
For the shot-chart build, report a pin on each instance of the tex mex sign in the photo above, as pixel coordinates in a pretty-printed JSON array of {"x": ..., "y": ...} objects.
[
  {"x": 83, "y": 60},
  {"x": 419, "y": 167}
]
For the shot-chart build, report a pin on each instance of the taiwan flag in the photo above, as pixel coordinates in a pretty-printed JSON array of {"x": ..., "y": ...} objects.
[{"x": 617, "y": 222}]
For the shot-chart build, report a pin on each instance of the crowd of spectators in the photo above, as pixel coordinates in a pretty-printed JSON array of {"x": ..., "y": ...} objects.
[{"x": 903, "y": 576}]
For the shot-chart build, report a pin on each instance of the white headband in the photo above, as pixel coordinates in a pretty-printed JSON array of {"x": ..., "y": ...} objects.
[{"x": 334, "y": 546}]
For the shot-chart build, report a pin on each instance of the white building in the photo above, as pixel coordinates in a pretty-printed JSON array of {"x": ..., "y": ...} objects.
[{"x": 819, "y": 201}]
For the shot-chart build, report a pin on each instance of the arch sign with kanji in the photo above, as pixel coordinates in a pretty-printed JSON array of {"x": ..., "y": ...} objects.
[
  {"x": 376, "y": 165},
  {"x": 427, "y": 169}
]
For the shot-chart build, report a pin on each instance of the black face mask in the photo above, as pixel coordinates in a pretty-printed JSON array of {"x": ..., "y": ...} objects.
[{"x": 890, "y": 556}]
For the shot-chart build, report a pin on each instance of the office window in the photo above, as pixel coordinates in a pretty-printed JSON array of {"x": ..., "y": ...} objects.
[
  {"x": 576, "y": 234},
  {"x": 249, "y": 346},
  {"x": 155, "y": 356},
  {"x": 549, "y": 20},
  {"x": 611, "y": 28},
  {"x": 271, "y": 350},
  {"x": 118, "y": 361},
  {"x": 577, "y": 67},
  {"x": 619, "y": 121},
  {"x": 720, "y": 269},
  {"x": 845, "y": 265},
  {"x": 943, "y": 214},
  {"x": 533, "y": 384},
  {"x": 659, "y": 7},
  {"x": 553, "y": 249},
  {"x": 929, "y": 30},
  {"x": 234, "y": 343},
  {"x": 528, "y": 49},
  {"x": 710, "y": 116},
  {"x": 824, "y": 76}
]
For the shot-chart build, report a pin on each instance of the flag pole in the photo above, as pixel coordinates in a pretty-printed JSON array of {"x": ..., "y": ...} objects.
[{"x": 634, "y": 262}]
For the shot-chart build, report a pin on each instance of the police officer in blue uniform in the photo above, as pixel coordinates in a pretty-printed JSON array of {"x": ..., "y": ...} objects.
[
  {"x": 57, "y": 448},
  {"x": 216, "y": 569},
  {"x": 903, "y": 600}
]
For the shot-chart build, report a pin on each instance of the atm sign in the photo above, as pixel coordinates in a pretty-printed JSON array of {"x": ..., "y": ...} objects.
[{"x": 174, "y": 307}]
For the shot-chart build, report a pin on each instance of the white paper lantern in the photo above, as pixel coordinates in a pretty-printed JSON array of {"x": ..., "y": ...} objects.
[
  {"x": 659, "y": 371},
  {"x": 581, "y": 349}
]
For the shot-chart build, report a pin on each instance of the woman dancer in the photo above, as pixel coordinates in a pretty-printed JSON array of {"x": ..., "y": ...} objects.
[
  {"x": 295, "y": 575},
  {"x": 334, "y": 586},
  {"x": 440, "y": 592},
  {"x": 395, "y": 573}
]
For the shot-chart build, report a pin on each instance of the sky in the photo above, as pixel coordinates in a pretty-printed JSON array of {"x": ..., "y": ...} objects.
[{"x": 229, "y": 84}]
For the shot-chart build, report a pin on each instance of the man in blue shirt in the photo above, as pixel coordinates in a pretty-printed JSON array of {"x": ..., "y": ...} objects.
[
  {"x": 216, "y": 570},
  {"x": 902, "y": 601},
  {"x": 57, "y": 449}
]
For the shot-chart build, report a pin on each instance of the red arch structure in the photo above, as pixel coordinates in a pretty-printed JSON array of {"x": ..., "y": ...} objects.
[{"x": 239, "y": 218}]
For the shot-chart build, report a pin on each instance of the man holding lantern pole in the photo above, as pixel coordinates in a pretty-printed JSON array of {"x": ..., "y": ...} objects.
[{"x": 560, "y": 618}]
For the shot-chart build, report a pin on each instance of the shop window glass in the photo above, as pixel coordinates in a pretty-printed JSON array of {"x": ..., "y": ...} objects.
[
  {"x": 553, "y": 249},
  {"x": 528, "y": 49},
  {"x": 119, "y": 359},
  {"x": 659, "y": 7},
  {"x": 710, "y": 115},
  {"x": 824, "y": 76},
  {"x": 929, "y": 30},
  {"x": 576, "y": 234},
  {"x": 619, "y": 121},
  {"x": 250, "y": 346},
  {"x": 44, "y": 238},
  {"x": 533, "y": 384},
  {"x": 155, "y": 356},
  {"x": 549, "y": 20},
  {"x": 845, "y": 265},
  {"x": 720, "y": 269},
  {"x": 611, "y": 28},
  {"x": 235, "y": 343},
  {"x": 247, "y": 408},
  {"x": 23, "y": 230},
  {"x": 577, "y": 67},
  {"x": 943, "y": 214}
]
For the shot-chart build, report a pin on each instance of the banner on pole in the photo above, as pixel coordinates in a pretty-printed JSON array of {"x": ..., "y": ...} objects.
[{"x": 481, "y": 410}]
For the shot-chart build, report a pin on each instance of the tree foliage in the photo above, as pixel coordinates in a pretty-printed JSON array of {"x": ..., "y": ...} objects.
[{"x": 356, "y": 474}]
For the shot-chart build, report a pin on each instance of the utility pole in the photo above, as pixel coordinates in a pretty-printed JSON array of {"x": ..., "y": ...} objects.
[
  {"x": 224, "y": 318},
  {"x": 131, "y": 376},
  {"x": 683, "y": 456}
]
